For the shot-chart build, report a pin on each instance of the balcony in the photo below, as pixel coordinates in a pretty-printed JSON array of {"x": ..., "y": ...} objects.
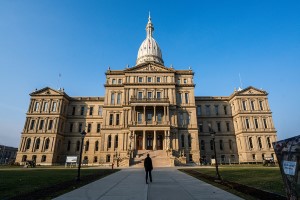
[{"x": 149, "y": 100}]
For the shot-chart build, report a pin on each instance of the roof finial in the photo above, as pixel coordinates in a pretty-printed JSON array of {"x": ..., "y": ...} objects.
[
  {"x": 149, "y": 27},
  {"x": 149, "y": 18}
]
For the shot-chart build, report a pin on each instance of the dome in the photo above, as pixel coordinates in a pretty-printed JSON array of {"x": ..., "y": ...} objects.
[{"x": 149, "y": 50}]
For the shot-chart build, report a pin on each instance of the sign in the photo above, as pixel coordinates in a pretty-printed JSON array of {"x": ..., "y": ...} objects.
[
  {"x": 289, "y": 167},
  {"x": 71, "y": 159}
]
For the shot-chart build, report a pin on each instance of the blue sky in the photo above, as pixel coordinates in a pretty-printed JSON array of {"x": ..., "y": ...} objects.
[{"x": 260, "y": 40}]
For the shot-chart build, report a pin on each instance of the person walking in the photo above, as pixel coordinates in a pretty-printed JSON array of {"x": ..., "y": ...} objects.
[{"x": 148, "y": 168}]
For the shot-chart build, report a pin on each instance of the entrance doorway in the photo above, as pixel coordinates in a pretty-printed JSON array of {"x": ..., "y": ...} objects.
[
  {"x": 149, "y": 142},
  {"x": 139, "y": 142},
  {"x": 159, "y": 142}
]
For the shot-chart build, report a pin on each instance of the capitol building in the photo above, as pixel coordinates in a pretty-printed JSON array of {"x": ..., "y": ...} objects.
[{"x": 148, "y": 108}]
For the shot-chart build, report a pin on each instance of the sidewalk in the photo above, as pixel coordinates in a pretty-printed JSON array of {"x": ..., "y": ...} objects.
[{"x": 129, "y": 184}]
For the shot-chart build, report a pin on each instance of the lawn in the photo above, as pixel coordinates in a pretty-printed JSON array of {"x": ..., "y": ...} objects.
[
  {"x": 263, "y": 178},
  {"x": 45, "y": 183}
]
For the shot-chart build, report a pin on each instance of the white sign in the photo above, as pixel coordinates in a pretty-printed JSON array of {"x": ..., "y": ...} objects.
[
  {"x": 289, "y": 167},
  {"x": 71, "y": 159}
]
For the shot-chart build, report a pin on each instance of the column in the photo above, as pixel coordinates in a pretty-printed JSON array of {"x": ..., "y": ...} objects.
[
  {"x": 154, "y": 140},
  {"x": 144, "y": 120},
  {"x": 154, "y": 115},
  {"x": 144, "y": 139},
  {"x": 165, "y": 119},
  {"x": 134, "y": 140},
  {"x": 168, "y": 118}
]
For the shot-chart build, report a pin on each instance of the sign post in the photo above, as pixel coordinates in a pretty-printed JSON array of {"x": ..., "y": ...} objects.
[{"x": 71, "y": 160}]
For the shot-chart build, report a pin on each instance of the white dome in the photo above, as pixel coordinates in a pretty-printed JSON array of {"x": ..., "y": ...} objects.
[{"x": 149, "y": 50}]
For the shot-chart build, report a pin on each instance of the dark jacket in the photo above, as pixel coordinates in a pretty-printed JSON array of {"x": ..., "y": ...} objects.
[{"x": 148, "y": 164}]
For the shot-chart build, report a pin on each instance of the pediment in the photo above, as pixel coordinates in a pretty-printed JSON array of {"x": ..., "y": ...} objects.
[
  {"x": 46, "y": 91},
  {"x": 252, "y": 91},
  {"x": 149, "y": 67}
]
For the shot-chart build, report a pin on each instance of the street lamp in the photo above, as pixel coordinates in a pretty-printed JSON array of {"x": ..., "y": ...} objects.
[
  {"x": 83, "y": 133},
  {"x": 213, "y": 134}
]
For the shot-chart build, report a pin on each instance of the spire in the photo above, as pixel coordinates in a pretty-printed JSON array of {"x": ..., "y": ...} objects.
[{"x": 149, "y": 27}]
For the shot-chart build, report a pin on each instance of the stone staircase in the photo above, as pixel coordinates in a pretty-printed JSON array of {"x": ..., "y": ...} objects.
[{"x": 159, "y": 158}]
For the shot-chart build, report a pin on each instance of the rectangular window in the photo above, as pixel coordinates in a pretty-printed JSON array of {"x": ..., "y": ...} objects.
[
  {"x": 179, "y": 98},
  {"x": 89, "y": 127},
  {"x": 45, "y": 106},
  {"x": 71, "y": 127},
  {"x": 140, "y": 115},
  {"x": 256, "y": 123},
  {"x": 100, "y": 109},
  {"x": 119, "y": 81},
  {"x": 36, "y": 106},
  {"x": 198, "y": 110},
  {"x": 158, "y": 95},
  {"x": 119, "y": 98},
  {"x": 112, "y": 99},
  {"x": 149, "y": 117},
  {"x": 252, "y": 105},
  {"x": 265, "y": 123},
  {"x": 159, "y": 117},
  {"x": 184, "y": 81},
  {"x": 158, "y": 79},
  {"x": 73, "y": 110},
  {"x": 217, "y": 109},
  {"x": 244, "y": 105},
  {"x": 32, "y": 124},
  {"x": 98, "y": 128},
  {"x": 261, "y": 105},
  {"x": 221, "y": 145},
  {"x": 140, "y": 95},
  {"x": 54, "y": 106},
  {"x": 227, "y": 126},
  {"x": 247, "y": 124},
  {"x": 201, "y": 128},
  {"x": 91, "y": 110},
  {"x": 80, "y": 127},
  {"x": 186, "y": 95},
  {"x": 149, "y": 79},
  {"x": 140, "y": 79},
  {"x": 50, "y": 124},
  {"x": 41, "y": 124},
  {"x": 207, "y": 109},
  {"x": 219, "y": 126},
  {"x": 149, "y": 95},
  {"x": 209, "y": 127},
  {"x": 111, "y": 119},
  {"x": 202, "y": 145},
  {"x": 114, "y": 81},
  {"x": 82, "y": 110},
  {"x": 225, "y": 110},
  {"x": 117, "y": 119},
  {"x": 181, "y": 118},
  {"x": 178, "y": 81}
]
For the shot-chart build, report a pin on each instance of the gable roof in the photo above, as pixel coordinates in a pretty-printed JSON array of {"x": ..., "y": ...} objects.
[
  {"x": 47, "y": 91},
  {"x": 249, "y": 91},
  {"x": 149, "y": 67}
]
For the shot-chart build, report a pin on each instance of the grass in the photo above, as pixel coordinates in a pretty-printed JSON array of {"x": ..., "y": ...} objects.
[
  {"x": 20, "y": 182},
  {"x": 263, "y": 178}
]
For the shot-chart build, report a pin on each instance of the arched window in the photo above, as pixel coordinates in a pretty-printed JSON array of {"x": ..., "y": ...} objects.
[
  {"x": 189, "y": 141},
  {"x": 28, "y": 143},
  {"x": 43, "y": 158},
  {"x": 95, "y": 159},
  {"x": 230, "y": 144},
  {"x": 268, "y": 142},
  {"x": 116, "y": 141},
  {"x": 202, "y": 145},
  {"x": 37, "y": 144},
  {"x": 263, "y": 156},
  {"x": 109, "y": 142},
  {"x": 182, "y": 140},
  {"x": 87, "y": 145},
  {"x": 250, "y": 143},
  {"x": 24, "y": 158},
  {"x": 259, "y": 142},
  {"x": 77, "y": 145},
  {"x": 69, "y": 145},
  {"x": 221, "y": 145},
  {"x": 47, "y": 143},
  {"x": 107, "y": 158},
  {"x": 211, "y": 145},
  {"x": 34, "y": 157},
  {"x": 96, "y": 146},
  {"x": 85, "y": 158}
]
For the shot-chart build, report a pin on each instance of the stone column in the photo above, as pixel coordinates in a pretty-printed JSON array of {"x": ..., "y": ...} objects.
[
  {"x": 144, "y": 120},
  {"x": 154, "y": 114},
  {"x": 144, "y": 139},
  {"x": 168, "y": 117},
  {"x": 165, "y": 119},
  {"x": 134, "y": 140},
  {"x": 154, "y": 140}
]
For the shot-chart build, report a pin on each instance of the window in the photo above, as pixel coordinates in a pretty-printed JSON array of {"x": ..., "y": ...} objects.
[
  {"x": 268, "y": 142},
  {"x": 149, "y": 95},
  {"x": 184, "y": 81},
  {"x": 158, "y": 95},
  {"x": 259, "y": 143},
  {"x": 179, "y": 98},
  {"x": 96, "y": 146},
  {"x": 37, "y": 144},
  {"x": 188, "y": 118},
  {"x": 41, "y": 124},
  {"x": 24, "y": 158},
  {"x": 47, "y": 143},
  {"x": 82, "y": 110},
  {"x": 77, "y": 145},
  {"x": 113, "y": 81},
  {"x": 227, "y": 126},
  {"x": 247, "y": 124},
  {"x": 178, "y": 81},
  {"x": 189, "y": 141},
  {"x": 140, "y": 95},
  {"x": 261, "y": 105},
  {"x": 100, "y": 109},
  {"x": 107, "y": 158},
  {"x": 223, "y": 158},
  {"x": 149, "y": 117},
  {"x": 201, "y": 128},
  {"x": 202, "y": 145},
  {"x": 89, "y": 127},
  {"x": 232, "y": 158},
  {"x": 265, "y": 123},
  {"x": 54, "y": 106},
  {"x": 244, "y": 105},
  {"x": 111, "y": 119},
  {"x": 91, "y": 110},
  {"x": 181, "y": 118},
  {"x": 209, "y": 127},
  {"x": 253, "y": 156},
  {"x": 182, "y": 140},
  {"x": 219, "y": 126},
  {"x": 221, "y": 145},
  {"x": 198, "y": 110},
  {"x": 158, "y": 79},
  {"x": 207, "y": 109},
  {"x": 36, "y": 106},
  {"x": 225, "y": 110},
  {"x": 73, "y": 110},
  {"x": 95, "y": 159},
  {"x": 140, "y": 79},
  {"x": 186, "y": 95},
  {"x": 50, "y": 124},
  {"x": 71, "y": 127},
  {"x": 119, "y": 81},
  {"x": 230, "y": 144},
  {"x": 117, "y": 119},
  {"x": 149, "y": 79},
  {"x": 211, "y": 145},
  {"x": 69, "y": 145},
  {"x": 263, "y": 156},
  {"x": 28, "y": 143},
  {"x": 256, "y": 123},
  {"x": 112, "y": 99},
  {"x": 217, "y": 109},
  {"x": 87, "y": 145},
  {"x": 119, "y": 98},
  {"x": 98, "y": 128},
  {"x": 252, "y": 105},
  {"x": 80, "y": 127},
  {"x": 32, "y": 124},
  {"x": 116, "y": 141},
  {"x": 159, "y": 117},
  {"x": 43, "y": 158},
  {"x": 250, "y": 143},
  {"x": 109, "y": 142},
  {"x": 140, "y": 115},
  {"x": 45, "y": 106}
]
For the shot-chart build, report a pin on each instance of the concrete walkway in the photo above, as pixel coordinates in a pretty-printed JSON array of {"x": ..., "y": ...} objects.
[{"x": 129, "y": 184}]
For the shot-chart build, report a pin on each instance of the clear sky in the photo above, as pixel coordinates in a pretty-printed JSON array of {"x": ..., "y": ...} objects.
[{"x": 260, "y": 40}]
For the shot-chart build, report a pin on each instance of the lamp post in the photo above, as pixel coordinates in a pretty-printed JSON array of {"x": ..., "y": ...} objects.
[
  {"x": 83, "y": 133},
  {"x": 213, "y": 134}
]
